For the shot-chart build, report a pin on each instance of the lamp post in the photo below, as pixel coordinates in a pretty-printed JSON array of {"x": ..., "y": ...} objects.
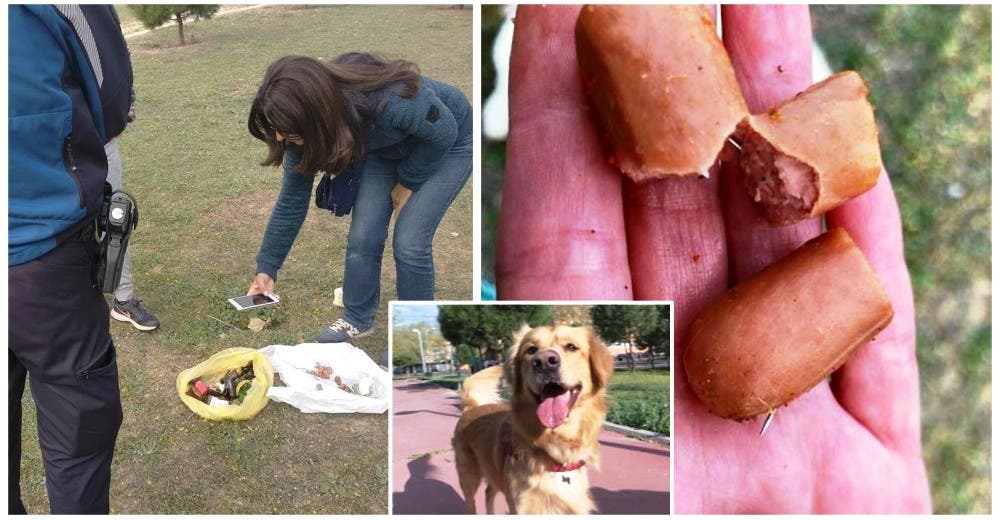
[{"x": 420, "y": 340}]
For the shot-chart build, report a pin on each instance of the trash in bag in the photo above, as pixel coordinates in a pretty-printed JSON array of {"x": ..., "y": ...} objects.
[
  {"x": 232, "y": 384},
  {"x": 328, "y": 378}
]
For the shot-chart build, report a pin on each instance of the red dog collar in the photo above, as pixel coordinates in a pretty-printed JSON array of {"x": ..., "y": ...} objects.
[
  {"x": 559, "y": 468},
  {"x": 507, "y": 448}
]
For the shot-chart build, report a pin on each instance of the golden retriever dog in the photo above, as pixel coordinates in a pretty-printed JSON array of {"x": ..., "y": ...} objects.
[{"x": 535, "y": 449}]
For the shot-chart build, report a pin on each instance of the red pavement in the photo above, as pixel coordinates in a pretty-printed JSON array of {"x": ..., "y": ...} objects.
[{"x": 634, "y": 477}]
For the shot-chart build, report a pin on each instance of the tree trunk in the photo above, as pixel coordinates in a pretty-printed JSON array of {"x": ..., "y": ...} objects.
[
  {"x": 631, "y": 355},
  {"x": 180, "y": 27}
]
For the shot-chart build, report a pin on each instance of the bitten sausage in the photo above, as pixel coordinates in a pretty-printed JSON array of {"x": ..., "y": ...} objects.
[
  {"x": 812, "y": 153},
  {"x": 662, "y": 85},
  {"x": 779, "y": 333}
]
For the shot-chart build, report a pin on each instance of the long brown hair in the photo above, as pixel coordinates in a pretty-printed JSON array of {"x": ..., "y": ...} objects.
[{"x": 329, "y": 105}]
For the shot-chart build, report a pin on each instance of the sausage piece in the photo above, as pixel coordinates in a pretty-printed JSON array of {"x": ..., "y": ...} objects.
[
  {"x": 662, "y": 85},
  {"x": 779, "y": 333},
  {"x": 812, "y": 153}
]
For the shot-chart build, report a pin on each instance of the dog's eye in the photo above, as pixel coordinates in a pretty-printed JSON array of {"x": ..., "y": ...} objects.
[
  {"x": 531, "y": 350},
  {"x": 571, "y": 347}
]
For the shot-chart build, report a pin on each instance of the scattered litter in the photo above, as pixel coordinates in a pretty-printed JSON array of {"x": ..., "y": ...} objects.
[
  {"x": 329, "y": 378},
  {"x": 257, "y": 324}
]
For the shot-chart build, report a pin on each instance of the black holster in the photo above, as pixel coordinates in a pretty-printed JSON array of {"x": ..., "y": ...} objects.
[{"x": 119, "y": 216}]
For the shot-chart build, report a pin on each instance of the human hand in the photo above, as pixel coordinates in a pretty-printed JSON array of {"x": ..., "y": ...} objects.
[
  {"x": 263, "y": 284},
  {"x": 399, "y": 195},
  {"x": 571, "y": 227}
]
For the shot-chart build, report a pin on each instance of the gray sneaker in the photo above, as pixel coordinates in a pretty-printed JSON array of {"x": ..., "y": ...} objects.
[
  {"x": 133, "y": 312},
  {"x": 340, "y": 332}
]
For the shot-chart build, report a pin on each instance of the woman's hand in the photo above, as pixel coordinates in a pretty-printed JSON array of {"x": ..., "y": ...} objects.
[
  {"x": 400, "y": 194},
  {"x": 263, "y": 284}
]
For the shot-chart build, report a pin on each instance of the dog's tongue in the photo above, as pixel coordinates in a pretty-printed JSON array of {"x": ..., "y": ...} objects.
[{"x": 553, "y": 410}]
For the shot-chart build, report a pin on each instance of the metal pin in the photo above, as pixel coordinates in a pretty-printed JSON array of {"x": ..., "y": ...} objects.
[
  {"x": 767, "y": 421},
  {"x": 734, "y": 143}
]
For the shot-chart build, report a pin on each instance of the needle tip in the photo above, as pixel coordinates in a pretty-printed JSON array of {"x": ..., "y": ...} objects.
[{"x": 767, "y": 422}]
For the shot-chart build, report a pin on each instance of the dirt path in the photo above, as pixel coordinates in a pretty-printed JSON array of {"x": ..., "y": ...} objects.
[{"x": 634, "y": 477}]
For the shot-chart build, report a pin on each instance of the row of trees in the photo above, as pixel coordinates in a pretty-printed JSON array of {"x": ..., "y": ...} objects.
[
  {"x": 476, "y": 331},
  {"x": 406, "y": 344},
  {"x": 646, "y": 326},
  {"x": 486, "y": 331}
]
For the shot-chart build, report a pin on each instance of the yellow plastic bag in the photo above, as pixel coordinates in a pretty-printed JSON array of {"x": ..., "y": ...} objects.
[{"x": 215, "y": 368}]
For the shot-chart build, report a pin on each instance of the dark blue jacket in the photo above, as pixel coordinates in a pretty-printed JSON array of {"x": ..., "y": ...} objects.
[
  {"x": 417, "y": 132},
  {"x": 69, "y": 92}
]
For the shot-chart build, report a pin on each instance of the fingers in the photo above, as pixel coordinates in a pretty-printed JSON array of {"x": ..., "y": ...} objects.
[
  {"x": 770, "y": 47},
  {"x": 676, "y": 239},
  {"x": 561, "y": 233},
  {"x": 879, "y": 385},
  {"x": 771, "y": 51},
  {"x": 262, "y": 284}
]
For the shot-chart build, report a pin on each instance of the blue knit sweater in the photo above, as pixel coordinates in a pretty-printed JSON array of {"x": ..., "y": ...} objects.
[{"x": 416, "y": 131}]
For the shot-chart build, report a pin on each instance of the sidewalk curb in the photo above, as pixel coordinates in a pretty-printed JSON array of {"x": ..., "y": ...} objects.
[{"x": 658, "y": 438}]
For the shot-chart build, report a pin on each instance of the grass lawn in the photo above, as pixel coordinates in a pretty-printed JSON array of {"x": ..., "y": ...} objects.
[
  {"x": 204, "y": 201},
  {"x": 448, "y": 381},
  {"x": 928, "y": 68},
  {"x": 641, "y": 399}
]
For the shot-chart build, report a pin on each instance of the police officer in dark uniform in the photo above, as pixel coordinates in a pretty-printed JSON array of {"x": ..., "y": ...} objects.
[{"x": 69, "y": 93}]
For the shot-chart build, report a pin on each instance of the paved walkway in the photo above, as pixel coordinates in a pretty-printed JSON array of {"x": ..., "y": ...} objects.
[{"x": 633, "y": 479}]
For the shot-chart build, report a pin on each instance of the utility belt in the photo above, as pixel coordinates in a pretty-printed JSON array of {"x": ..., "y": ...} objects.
[{"x": 106, "y": 237}]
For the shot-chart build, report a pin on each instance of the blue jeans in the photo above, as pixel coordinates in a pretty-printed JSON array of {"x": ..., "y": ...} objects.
[{"x": 413, "y": 234}]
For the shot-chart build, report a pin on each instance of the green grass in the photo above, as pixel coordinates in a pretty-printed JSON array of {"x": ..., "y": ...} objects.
[
  {"x": 128, "y": 20},
  {"x": 641, "y": 399},
  {"x": 929, "y": 71},
  {"x": 447, "y": 381},
  {"x": 204, "y": 201}
]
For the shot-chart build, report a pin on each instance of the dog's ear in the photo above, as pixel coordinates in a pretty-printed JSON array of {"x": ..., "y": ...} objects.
[
  {"x": 601, "y": 362},
  {"x": 520, "y": 333},
  {"x": 512, "y": 372}
]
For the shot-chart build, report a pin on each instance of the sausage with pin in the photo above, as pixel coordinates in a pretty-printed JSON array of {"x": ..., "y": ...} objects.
[{"x": 781, "y": 332}]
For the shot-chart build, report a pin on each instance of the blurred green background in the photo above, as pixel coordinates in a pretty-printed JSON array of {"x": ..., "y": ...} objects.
[{"x": 929, "y": 71}]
